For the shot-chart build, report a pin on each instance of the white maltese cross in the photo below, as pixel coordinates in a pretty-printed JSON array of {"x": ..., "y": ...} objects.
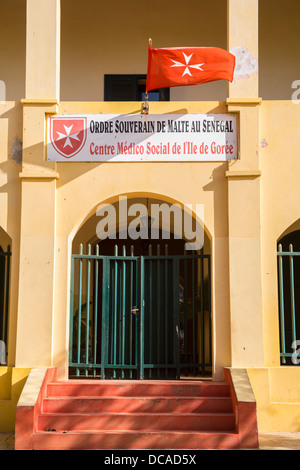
[
  {"x": 68, "y": 136},
  {"x": 187, "y": 65}
]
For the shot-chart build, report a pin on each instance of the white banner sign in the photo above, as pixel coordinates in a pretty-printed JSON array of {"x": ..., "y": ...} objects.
[{"x": 138, "y": 137}]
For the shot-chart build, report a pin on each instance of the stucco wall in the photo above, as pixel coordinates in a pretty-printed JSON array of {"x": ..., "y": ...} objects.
[{"x": 96, "y": 40}]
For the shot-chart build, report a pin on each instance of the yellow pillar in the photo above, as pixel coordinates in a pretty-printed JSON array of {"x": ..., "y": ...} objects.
[
  {"x": 242, "y": 40},
  {"x": 42, "y": 51},
  {"x": 38, "y": 206},
  {"x": 244, "y": 197}
]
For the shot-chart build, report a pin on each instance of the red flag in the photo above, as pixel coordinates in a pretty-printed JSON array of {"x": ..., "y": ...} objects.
[{"x": 182, "y": 66}]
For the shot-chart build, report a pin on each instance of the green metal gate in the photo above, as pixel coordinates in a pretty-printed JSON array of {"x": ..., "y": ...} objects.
[
  {"x": 140, "y": 317},
  {"x": 5, "y": 259},
  {"x": 288, "y": 264}
]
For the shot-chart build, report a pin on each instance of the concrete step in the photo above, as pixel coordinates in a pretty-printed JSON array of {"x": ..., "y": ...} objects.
[
  {"x": 137, "y": 421},
  {"x": 84, "y": 440},
  {"x": 142, "y": 404},
  {"x": 184, "y": 388},
  {"x": 137, "y": 414}
]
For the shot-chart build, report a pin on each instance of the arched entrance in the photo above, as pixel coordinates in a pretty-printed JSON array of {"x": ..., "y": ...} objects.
[{"x": 140, "y": 308}]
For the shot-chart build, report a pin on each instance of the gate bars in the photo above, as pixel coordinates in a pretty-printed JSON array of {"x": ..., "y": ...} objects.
[
  {"x": 288, "y": 271},
  {"x": 5, "y": 257},
  {"x": 136, "y": 317}
]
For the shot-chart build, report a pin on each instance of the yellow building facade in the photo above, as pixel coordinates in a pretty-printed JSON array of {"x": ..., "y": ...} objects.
[{"x": 57, "y": 60}]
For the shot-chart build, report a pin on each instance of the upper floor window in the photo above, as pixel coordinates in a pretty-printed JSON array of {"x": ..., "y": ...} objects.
[{"x": 131, "y": 88}]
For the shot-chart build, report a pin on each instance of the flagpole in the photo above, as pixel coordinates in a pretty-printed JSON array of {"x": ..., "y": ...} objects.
[{"x": 145, "y": 107}]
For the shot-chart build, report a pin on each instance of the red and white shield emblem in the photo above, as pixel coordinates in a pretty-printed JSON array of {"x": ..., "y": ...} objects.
[{"x": 68, "y": 135}]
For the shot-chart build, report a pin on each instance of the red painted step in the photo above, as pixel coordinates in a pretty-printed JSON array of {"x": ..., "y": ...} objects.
[
  {"x": 130, "y": 388},
  {"x": 124, "y": 414},
  {"x": 88, "y": 440},
  {"x": 137, "y": 422},
  {"x": 112, "y": 414},
  {"x": 142, "y": 404}
]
